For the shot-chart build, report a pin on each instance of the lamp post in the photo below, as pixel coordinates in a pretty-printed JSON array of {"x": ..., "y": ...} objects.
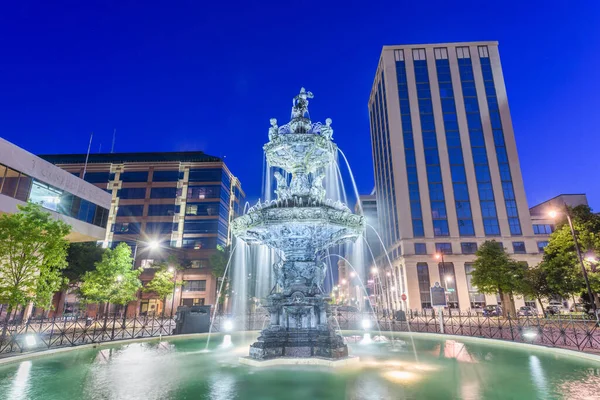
[
  {"x": 174, "y": 272},
  {"x": 566, "y": 212}
]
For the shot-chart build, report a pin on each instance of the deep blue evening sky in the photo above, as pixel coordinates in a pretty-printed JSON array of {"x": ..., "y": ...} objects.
[{"x": 198, "y": 75}]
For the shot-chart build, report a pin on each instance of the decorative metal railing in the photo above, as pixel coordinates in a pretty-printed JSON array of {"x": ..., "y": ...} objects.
[{"x": 558, "y": 331}]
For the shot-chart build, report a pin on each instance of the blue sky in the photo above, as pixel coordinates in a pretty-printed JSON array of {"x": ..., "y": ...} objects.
[{"x": 198, "y": 75}]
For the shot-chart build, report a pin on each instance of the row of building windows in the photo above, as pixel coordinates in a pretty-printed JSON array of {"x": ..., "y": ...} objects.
[
  {"x": 22, "y": 187},
  {"x": 478, "y": 147},
  {"x": 510, "y": 201},
  {"x": 453, "y": 142},
  {"x": 383, "y": 165},
  {"x": 409, "y": 148},
  {"x": 430, "y": 145},
  {"x": 543, "y": 229},
  {"x": 471, "y": 248},
  {"x": 448, "y": 281}
]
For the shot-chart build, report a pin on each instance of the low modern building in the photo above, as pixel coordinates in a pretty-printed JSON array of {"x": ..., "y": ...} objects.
[
  {"x": 447, "y": 172},
  {"x": 25, "y": 177},
  {"x": 183, "y": 200}
]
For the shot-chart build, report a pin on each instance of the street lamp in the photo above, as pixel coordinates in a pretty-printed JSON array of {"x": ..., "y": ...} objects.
[
  {"x": 172, "y": 270},
  {"x": 553, "y": 214},
  {"x": 374, "y": 270},
  {"x": 151, "y": 245},
  {"x": 352, "y": 274}
]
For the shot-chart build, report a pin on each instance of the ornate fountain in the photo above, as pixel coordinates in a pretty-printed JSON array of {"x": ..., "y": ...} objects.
[{"x": 301, "y": 224}]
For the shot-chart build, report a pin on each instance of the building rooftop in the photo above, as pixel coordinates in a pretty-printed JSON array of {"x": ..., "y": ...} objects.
[{"x": 117, "y": 158}]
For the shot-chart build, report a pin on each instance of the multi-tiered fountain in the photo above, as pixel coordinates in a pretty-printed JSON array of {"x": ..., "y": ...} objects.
[{"x": 301, "y": 224}]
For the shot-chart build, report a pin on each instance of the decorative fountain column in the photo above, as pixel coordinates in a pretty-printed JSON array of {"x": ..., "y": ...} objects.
[{"x": 301, "y": 224}]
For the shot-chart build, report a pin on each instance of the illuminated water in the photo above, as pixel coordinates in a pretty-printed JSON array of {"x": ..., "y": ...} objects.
[{"x": 179, "y": 369}]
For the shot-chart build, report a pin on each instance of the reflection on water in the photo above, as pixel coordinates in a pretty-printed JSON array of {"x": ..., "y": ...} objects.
[{"x": 179, "y": 369}]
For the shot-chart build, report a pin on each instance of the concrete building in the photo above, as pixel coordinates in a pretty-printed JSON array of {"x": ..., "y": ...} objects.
[
  {"x": 447, "y": 171},
  {"x": 183, "y": 200},
  {"x": 28, "y": 178},
  {"x": 25, "y": 177}
]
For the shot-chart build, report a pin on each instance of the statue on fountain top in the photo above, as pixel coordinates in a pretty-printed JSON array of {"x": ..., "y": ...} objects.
[
  {"x": 282, "y": 191},
  {"x": 300, "y": 103},
  {"x": 327, "y": 130}
]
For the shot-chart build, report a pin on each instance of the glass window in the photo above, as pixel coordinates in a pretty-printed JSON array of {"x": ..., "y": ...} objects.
[
  {"x": 465, "y": 227},
  {"x": 424, "y": 285},
  {"x": 418, "y": 229},
  {"x": 97, "y": 177},
  {"x": 205, "y": 175},
  {"x": 11, "y": 181},
  {"x": 490, "y": 226},
  {"x": 461, "y": 192},
  {"x": 443, "y": 248},
  {"x": 200, "y": 243},
  {"x": 126, "y": 228},
  {"x": 23, "y": 188},
  {"x": 203, "y": 192},
  {"x": 157, "y": 228},
  {"x": 131, "y": 193},
  {"x": 165, "y": 176},
  {"x": 440, "y": 227},
  {"x": 515, "y": 226},
  {"x": 438, "y": 209},
  {"x": 488, "y": 209},
  {"x": 134, "y": 176},
  {"x": 130, "y": 211},
  {"x": 519, "y": 247},
  {"x": 477, "y": 299},
  {"x": 542, "y": 245},
  {"x": 202, "y": 226},
  {"x": 46, "y": 196},
  {"x": 2, "y": 172},
  {"x": 209, "y": 209},
  {"x": 420, "y": 248},
  {"x": 448, "y": 278},
  {"x": 161, "y": 209},
  {"x": 194, "y": 286},
  {"x": 542, "y": 229},
  {"x": 468, "y": 247},
  {"x": 163, "y": 193}
]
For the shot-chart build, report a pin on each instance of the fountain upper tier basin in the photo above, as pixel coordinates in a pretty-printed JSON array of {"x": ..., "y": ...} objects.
[
  {"x": 310, "y": 229},
  {"x": 300, "y": 152}
]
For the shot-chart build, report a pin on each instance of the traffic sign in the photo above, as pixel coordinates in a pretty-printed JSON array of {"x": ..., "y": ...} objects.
[{"x": 403, "y": 297}]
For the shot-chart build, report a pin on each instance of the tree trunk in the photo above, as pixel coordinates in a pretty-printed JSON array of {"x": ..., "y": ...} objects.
[{"x": 539, "y": 299}]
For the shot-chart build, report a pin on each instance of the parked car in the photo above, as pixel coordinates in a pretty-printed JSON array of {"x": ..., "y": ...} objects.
[
  {"x": 492, "y": 311},
  {"x": 554, "y": 307},
  {"x": 526, "y": 311},
  {"x": 580, "y": 307}
]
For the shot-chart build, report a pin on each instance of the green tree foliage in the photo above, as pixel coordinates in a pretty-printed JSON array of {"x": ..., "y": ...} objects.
[
  {"x": 163, "y": 283},
  {"x": 114, "y": 280},
  {"x": 33, "y": 251},
  {"x": 535, "y": 284},
  {"x": 494, "y": 271},
  {"x": 81, "y": 258},
  {"x": 560, "y": 262}
]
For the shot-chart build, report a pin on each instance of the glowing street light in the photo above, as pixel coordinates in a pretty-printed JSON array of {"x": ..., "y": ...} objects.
[
  {"x": 153, "y": 244},
  {"x": 119, "y": 278},
  {"x": 352, "y": 274},
  {"x": 388, "y": 274},
  {"x": 374, "y": 270},
  {"x": 344, "y": 281}
]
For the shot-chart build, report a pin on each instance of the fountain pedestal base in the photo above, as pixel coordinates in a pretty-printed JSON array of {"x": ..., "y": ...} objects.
[{"x": 323, "y": 362}]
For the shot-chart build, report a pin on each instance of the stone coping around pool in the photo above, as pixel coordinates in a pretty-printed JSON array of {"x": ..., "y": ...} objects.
[
  {"x": 317, "y": 361},
  {"x": 487, "y": 341}
]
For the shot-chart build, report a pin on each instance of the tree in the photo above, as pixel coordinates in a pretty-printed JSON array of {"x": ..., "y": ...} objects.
[
  {"x": 535, "y": 284},
  {"x": 81, "y": 258},
  {"x": 33, "y": 251},
  {"x": 495, "y": 272},
  {"x": 114, "y": 280},
  {"x": 164, "y": 282},
  {"x": 561, "y": 263}
]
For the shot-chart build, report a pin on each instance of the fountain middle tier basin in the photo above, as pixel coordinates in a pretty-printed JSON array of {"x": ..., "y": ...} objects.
[{"x": 309, "y": 228}]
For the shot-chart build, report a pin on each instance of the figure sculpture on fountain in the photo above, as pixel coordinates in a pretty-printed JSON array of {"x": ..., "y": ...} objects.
[{"x": 302, "y": 233}]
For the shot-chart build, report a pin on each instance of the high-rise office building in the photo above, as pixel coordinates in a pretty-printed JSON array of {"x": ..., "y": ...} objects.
[
  {"x": 184, "y": 200},
  {"x": 446, "y": 167}
]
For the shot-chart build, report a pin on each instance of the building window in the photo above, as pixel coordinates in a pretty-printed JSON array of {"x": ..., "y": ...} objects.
[
  {"x": 158, "y": 228},
  {"x": 199, "y": 264},
  {"x": 468, "y": 247},
  {"x": 419, "y": 54},
  {"x": 420, "y": 248},
  {"x": 448, "y": 278},
  {"x": 130, "y": 228},
  {"x": 134, "y": 176},
  {"x": 443, "y": 248},
  {"x": 424, "y": 285},
  {"x": 477, "y": 299},
  {"x": 519, "y": 247},
  {"x": 97, "y": 177},
  {"x": 209, "y": 226},
  {"x": 208, "y": 209},
  {"x": 165, "y": 176},
  {"x": 161, "y": 209},
  {"x": 203, "y": 192},
  {"x": 147, "y": 263},
  {"x": 163, "y": 193},
  {"x": 199, "y": 243},
  {"x": 130, "y": 211},
  {"x": 194, "y": 286},
  {"x": 441, "y": 53},
  {"x": 205, "y": 175},
  {"x": 192, "y": 302},
  {"x": 542, "y": 245},
  {"x": 131, "y": 193},
  {"x": 399, "y": 55},
  {"x": 463, "y": 52},
  {"x": 483, "y": 51},
  {"x": 542, "y": 229}
]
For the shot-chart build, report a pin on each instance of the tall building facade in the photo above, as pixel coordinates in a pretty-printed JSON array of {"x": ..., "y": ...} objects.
[
  {"x": 183, "y": 200},
  {"x": 446, "y": 167}
]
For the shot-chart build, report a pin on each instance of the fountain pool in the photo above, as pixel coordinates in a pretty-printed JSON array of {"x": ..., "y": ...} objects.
[{"x": 179, "y": 368}]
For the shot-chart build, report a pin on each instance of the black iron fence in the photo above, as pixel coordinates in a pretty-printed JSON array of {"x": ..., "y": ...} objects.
[{"x": 564, "y": 332}]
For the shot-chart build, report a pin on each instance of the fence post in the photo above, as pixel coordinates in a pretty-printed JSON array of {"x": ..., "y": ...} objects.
[{"x": 512, "y": 335}]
